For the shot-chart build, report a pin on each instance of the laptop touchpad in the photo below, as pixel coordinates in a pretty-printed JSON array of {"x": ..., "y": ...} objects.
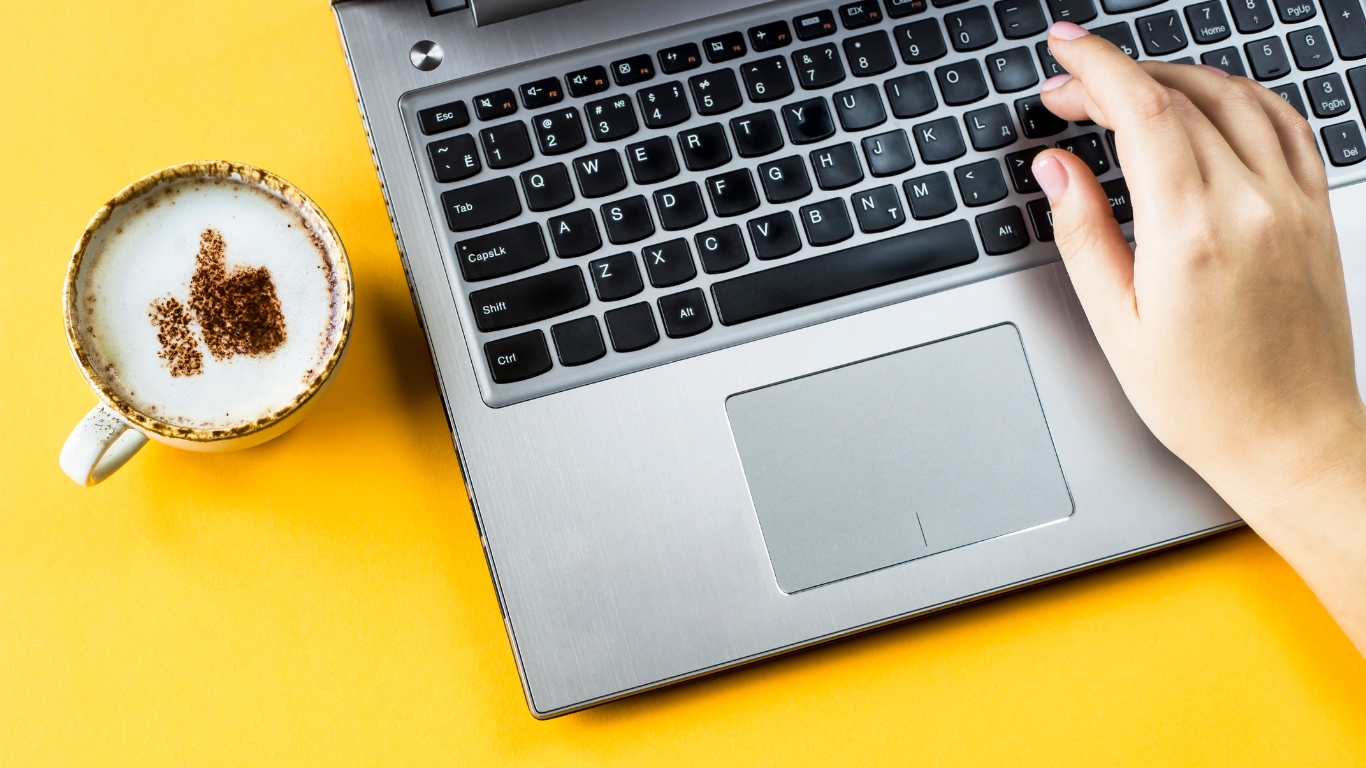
[{"x": 898, "y": 457}]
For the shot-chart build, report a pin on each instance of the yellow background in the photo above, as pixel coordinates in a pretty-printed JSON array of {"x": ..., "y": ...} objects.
[{"x": 322, "y": 600}]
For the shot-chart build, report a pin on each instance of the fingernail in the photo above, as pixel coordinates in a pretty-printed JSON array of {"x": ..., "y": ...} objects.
[
  {"x": 1055, "y": 81},
  {"x": 1052, "y": 177},
  {"x": 1215, "y": 70},
  {"x": 1066, "y": 30}
]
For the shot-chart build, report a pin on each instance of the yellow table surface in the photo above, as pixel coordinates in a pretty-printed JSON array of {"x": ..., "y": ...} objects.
[{"x": 322, "y": 600}]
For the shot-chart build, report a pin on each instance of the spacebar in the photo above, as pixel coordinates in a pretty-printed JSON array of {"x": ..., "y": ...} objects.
[{"x": 841, "y": 273}]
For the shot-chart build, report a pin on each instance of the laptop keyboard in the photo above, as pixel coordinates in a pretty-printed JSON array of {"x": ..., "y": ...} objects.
[{"x": 624, "y": 206}]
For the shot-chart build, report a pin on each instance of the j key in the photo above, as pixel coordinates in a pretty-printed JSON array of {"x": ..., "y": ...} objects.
[
  {"x": 652, "y": 160},
  {"x": 1348, "y": 25},
  {"x": 1121, "y": 36},
  {"x": 632, "y": 327},
  {"x": 668, "y": 263},
  {"x": 680, "y": 207},
  {"x": 1020, "y": 18},
  {"x": 1291, "y": 93},
  {"x": 578, "y": 341},
  {"x": 663, "y": 105},
  {"x": 517, "y": 358},
  {"x": 826, "y": 223},
  {"x": 1002, "y": 231},
  {"x": 888, "y": 154},
  {"x": 970, "y": 28},
  {"x": 721, "y": 250},
  {"x": 1088, "y": 147},
  {"x": 1226, "y": 59},
  {"x": 1161, "y": 33},
  {"x": 506, "y": 145},
  {"x": 1344, "y": 144},
  {"x": 869, "y": 54},
  {"x": 1251, "y": 15},
  {"x": 492, "y": 106},
  {"x": 547, "y": 188},
  {"x": 911, "y": 95},
  {"x": 1310, "y": 48},
  {"x": 1075, "y": 11},
  {"x": 732, "y": 193},
  {"x": 611, "y": 119},
  {"x": 756, "y": 134},
  {"x": 930, "y": 196},
  {"x": 704, "y": 148},
  {"x": 636, "y": 69},
  {"x": 1051, "y": 67},
  {"x": 1120, "y": 204},
  {"x": 1012, "y": 70},
  {"x": 529, "y": 300},
  {"x": 900, "y": 8},
  {"x": 559, "y": 132},
  {"x": 454, "y": 159},
  {"x": 840, "y": 273},
  {"x": 981, "y": 183},
  {"x": 501, "y": 253},
  {"x": 1207, "y": 21},
  {"x": 990, "y": 128},
  {"x": 785, "y": 180},
  {"x": 961, "y": 83},
  {"x": 939, "y": 140},
  {"x": 586, "y": 82},
  {"x": 1292, "y": 11},
  {"x": 920, "y": 41},
  {"x": 715, "y": 92},
  {"x": 860, "y": 108},
  {"x": 878, "y": 210},
  {"x": 724, "y": 47},
  {"x": 836, "y": 167},
  {"x": 541, "y": 93},
  {"x": 861, "y": 14},
  {"x": 480, "y": 205},
  {"x": 808, "y": 121},
  {"x": 446, "y": 117},
  {"x": 1327, "y": 95},
  {"x": 774, "y": 236},
  {"x": 600, "y": 174},
  {"x": 766, "y": 37},
  {"x": 1035, "y": 119},
  {"x": 1267, "y": 58},
  {"x": 680, "y": 58},
  {"x": 627, "y": 220},
  {"x": 766, "y": 79},
  {"x": 818, "y": 67},
  {"x": 616, "y": 277},
  {"x": 1124, "y": 6},
  {"x": 574, "y": 234},
  {"x": 684, "y": 314},
  {"x": 1021, "y": 169},
  {"x": 814, "y": 25}
]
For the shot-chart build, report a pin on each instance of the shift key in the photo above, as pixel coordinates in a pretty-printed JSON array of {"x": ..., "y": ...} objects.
[
  {"x": 480, "y": 205},
  {"x": 529, "y": 299}
]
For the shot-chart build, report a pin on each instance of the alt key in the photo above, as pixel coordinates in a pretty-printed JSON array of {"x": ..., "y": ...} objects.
[{"x": 517, "y": 358}]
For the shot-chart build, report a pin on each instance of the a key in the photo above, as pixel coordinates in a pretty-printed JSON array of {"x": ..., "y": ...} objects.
[
  {"x": 939, "y": 141},
  {"x": 1075, "y": 11},
  {"x": 766, "y": 79},
  {"x": 721, "y": 250},
  {"x": 1041, "y": 215},
  {"x": 1120, "y": 205},
  {"x": 631, "y": 327},
  {"x": 1125, "y": 6},
  {"x": 578, "y": 341},
  {"x": 756, "y": 135},
  {"x": 818, "y": 67},
  {"x": 901, "y": 8},
  {"x": 1289, "y": 92},
  {"x": 559, "y": 132},
  {"x": 961, "y": 83},
  {"x": 492, "y": 106},
  {"x": 808, "y": 121},
  {"x": 627, "y": 220},
  {"x": 836, "y": 167},
  {"x": 911, "y": 95},
  {"x": 1344, "y": 144},
  {"x": 663, "y": 105},
  {"x": 1310, "y": 48},
  {"x": 704, "y": 147},
  {"x": 774, "y": 236},
  {"x": 454, "y": 159},
  {"x": 547, "y": 188},
  {"x": 611, "y": 118},
  {"x": 1251, "y": 15},
  {"x": 636, "y": 69},
  {"x": 1011, "y": 70},
  {"x": 529, "y": 300},
  {"x": 446, "y": 117},
  {"x": 715, "y": 92},
  {"x": 732, "y": 193},
  {"x": 652, "y": 160},
  {"x": 930, "y": 196},
  {"x": 501, "y": 253},
  {"x": 1121, "y": 36},
  {"x": 1327, "y": 95},
  {"x": 920, "y": 41},
  {"x": 680, "y": 58},
  {"x": 869, "y": 54},
  {"x": 814, "y": 25},
  {"x": 684, "y": 314},
  {"x": 1226, "y": 59},
  {"x": 1021, "y": 169},
  {"x": 859, "y": 108},
  {"x": 586, "y": 82},
  {"x": 1292, "y": 11},
  {"x": 1020, "y": 18},
  {"x": 668, "y": 263},
  {"x": 826, "y": 223},
  {"x": 990, "y": 128},
  {"x": 1207, "y": 21},
  {"x": 616, "y": 277},
  {"x": 724, "y": 47},
  {"x": 1088, "y": 147},
  {"x": 888, "y": 154},
  {"x": 1035, "y": 120},
  {"x": 1162, "y": 33},
  {"x": 518, "y": 358},
  {"x": 970, "y": 29},
  {"x": 541, "y": 93},
  {"x": 680, "y": 207},
  {"x": 860, "y": 14},
  {"x": 506, "y": 145},
  {"x": 766, "y": 37},
  {"x": 600, "y": 174},
  {"x": 1051, "y": 67},
  {"x": 481, "y": 205},
  {"x": 1267, "y": 58},
  {"x": 574, "y": 234},
  {"x": 1348, "y": 25},
  {"x": 981, "y": 183},
  {"x": 1002, "y": 231},
  {"x": 878, "y": 210},
  {"x": 785, "y": 180}
]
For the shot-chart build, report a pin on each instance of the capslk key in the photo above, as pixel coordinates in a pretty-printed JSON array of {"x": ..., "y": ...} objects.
[
  {"x": 529, "y": 299},
  {"x": 501, "y": 253}
]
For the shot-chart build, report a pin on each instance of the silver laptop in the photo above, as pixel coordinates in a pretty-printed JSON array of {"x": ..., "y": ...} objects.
[{"x": 747, "y": 320}]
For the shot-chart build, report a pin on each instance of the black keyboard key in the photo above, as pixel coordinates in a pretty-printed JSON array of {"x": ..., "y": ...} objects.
[
  {"x": 652, "y": 160},
  {"x": 1041, "y": 215},
  {"x": 529, "y": 300},
  {"x": 1075, "y": 11},
  {"x": 1020, "y": 166},
  {"x": 920, "y": 41},
  {"x": 668, "y": 263},
  {"x": 981, "y": 183},
  {"x": 808, "y": 121},
  {"x": 827, "y": 222},
  {"x": 990, "y": 128},
  {"x": 611, "y": 119},
  {"x": 492, "y": 106},
  {"x": 631, "y": 328},
  {"x": 1344, "y": 144},
  {"x": 1251, "y": 15},
  {"x": 1088, "y": 147},
  {"x": 724, "y": 47},
  {"x": 574, "y": 234},
  {"x": 1121, "y": 36},
  {"x": 517, "y": 358},
  {"x": 1348, "y": 25},
  {"x": 1035, "y": 120},
  {"x": 1120, "y": 204},
  {"x": 766, "y": 37},
  {"x": 454, "y": 159},
  {"x": 1162, "y": 33},
  {"x": 939, "y": 140},
  {"x": 547, "y": 188},
  {"x": 785, "y": 180},
  {"x": 869, "y": 54},
  {"x": 578, "y": 341},
  {"x": 900, "y": 8},
  {"x": 704, "y": 147},
  {"x": 663, "y": 105},
  {"x": 840, "y": 273},
  {"x": 627, "y": 220},
  {"x": 1020, "y": 18},
  {"x": 559, "y": 132},
  {"x": 684, "y": 314},
  {"x": 1311, "y": 48},
  {"x": 600, "y": 174},
  {"x": 1226, "y": 59},
  {"x": 541, "y": 93},
  {"x": 1051, "y": 67},
  {"x": 1327, "y": 95},
  {"x": 818, "y": 67},
  {"x": 911, "y": 95},
  {"x": 961, "y": 83},
  {"x": 721, "y": 250},
  {"x": 732, "y": 193},
  {"x": 1002, "y": 231},
  {"x": 836, "y": 167},
  {"x": 616, "y": 277},
  {"x": 1124, "y": 6},
  {"x": 586, "y": 82},
  {"x": 1207, "y": 21},
  {"x": 1011, "y": 70},
  {"x": 680, "y": 207},
  {"x": 715, "y": 92},
  {"x": 1267, "y": 58},
  {"x": 680, "y": 58},
  {"x": 1292, "y": 11},
  {"x": 501, "y": 253},
  {"x": 930, "y": 196},
  {"x": 446, "y": 117},
  {"x": 814, "y": 25},
  {"x": 878, "y": 210},
  {"x": 636, "y": 69},
  {"x": 766, "y": 79},
  {"x": 506, "y": 145},
  {"x": 861, "y": 14},
  {"x": 888, "y": 154},
  {"x": 481, "y": 205},
  {"x": 1289, "y": 92},
  {"x": 774, "y": 236},
  {"x": 860, "y": 108},
  {"x": 970, "y": 29},
  {"x": 757, "y": 134}
]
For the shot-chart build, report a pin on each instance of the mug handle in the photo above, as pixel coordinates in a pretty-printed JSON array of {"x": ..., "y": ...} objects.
[{"x": 98, "y": 446}]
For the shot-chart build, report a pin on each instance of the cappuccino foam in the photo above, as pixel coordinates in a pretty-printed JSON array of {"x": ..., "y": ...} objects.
[{"x": 209, "y": 303}]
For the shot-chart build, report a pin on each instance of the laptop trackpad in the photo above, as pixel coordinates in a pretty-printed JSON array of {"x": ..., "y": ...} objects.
[{"x": 901, "y": 456}]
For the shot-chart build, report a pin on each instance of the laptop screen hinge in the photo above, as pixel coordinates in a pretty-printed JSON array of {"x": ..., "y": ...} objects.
[{"x": 488, "y": 12}]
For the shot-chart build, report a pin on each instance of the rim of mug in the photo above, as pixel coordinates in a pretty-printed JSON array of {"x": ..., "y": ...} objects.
[{"x": 223, "y": 169}]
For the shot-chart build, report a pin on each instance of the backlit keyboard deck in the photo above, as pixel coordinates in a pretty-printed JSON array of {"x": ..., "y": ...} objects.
[{"x": 643, "y": 201}]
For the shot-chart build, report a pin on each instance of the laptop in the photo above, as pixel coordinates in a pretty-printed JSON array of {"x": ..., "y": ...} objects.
[{"x": 746, "y": 316}]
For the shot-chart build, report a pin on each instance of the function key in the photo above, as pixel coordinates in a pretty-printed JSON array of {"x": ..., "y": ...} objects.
[
  {"x": 636, "y": 69},
  {"x": 446, "y": 117},
  {"x": 492, "y": 106},
  {"x": 680, "y": 58},
  {"x": 541, "y": 93},
  {"x": 899, "y": 8},
  {"x": 766, "y": 37},
  {"x": 586, "y": 82},
  {"x": 814, "y": 25},
  {"x": 861, "y": 14},
  {"x": 724, "y": 47}
]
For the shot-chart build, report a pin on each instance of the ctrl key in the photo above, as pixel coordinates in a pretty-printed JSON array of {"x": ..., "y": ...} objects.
[
  {"x": 517, "y": 358},
  {"x": 1344, "y": 143}
]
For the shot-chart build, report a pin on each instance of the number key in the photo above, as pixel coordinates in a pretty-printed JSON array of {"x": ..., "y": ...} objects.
[
  {"x": 869, "y": 54},
  {"x": 506, "y": 145},
  {"x": 970, "y": 29},
  {"x": 715, "y": 92},
  {"x": 1310, "y": 48},
  {"x": 766, "y": 79},
  {"x": 1291, "y": 94},
  {"x": 1327, "y": 95},
  {"x": 611, "y": 119},
  {"x": 1267, "y": 58},
  {"x": 1251, "y": 15},
  {"x": 559, "y": 132},
  {"x": 663, "y": 105},
  {"x": 1207, "y": 21},
  {"x": 818, "y": 67},
  {"x": 920, "y": 41}
]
